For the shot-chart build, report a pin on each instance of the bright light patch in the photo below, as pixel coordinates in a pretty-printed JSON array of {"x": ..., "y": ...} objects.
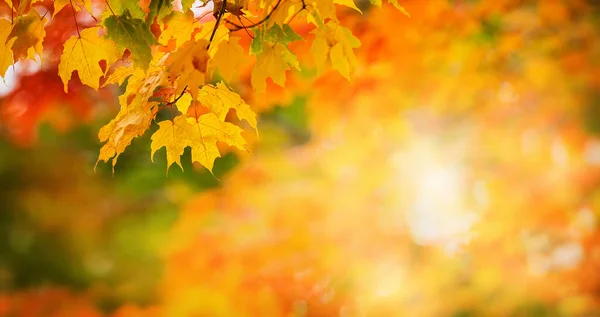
[
  {"x": 8, "y": 82},
  {"x": 439, "y": 214}
]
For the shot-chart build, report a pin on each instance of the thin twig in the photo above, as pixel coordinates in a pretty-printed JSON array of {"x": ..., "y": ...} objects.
[
  {"x": 171, "y": 103},
  {"x": 221, "y": 12},
  {"x": 295, "y": 14},
  {"x": 240, "y": 27},
  {"x": 245, "y": 29}
]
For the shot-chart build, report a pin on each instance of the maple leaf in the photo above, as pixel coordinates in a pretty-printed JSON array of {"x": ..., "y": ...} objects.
[
  {"x": 273, "y": 57},
  {"x": 160, "y": 9},
  {"x": 173, "y": 135},
  {"x": 200, "y": 135},
  {"x": 228, "y": 59},
  {"x": 29, "y": 33},
  {"x": 219, "y": 100},
  {"x": 132, "y": 34},
  {"x": 275, "y": 34},
  {"x": 206, "y": 131},
  {"x": 141, "y": 85},
  {"x": 120, "y": 7},
  {"x": 136, "y": 112},
  {"x": 119, "y": 75},
  {"x": 83, "y": 53},
  {"x": 272, "y": 63},
  {"x": 6, "y": 56},
  {"x": 188, "y": 65},
  {"x": 177, "y": 26},
  {"x": 335, "y": 43},
  {"x": 118, "y": 134}
]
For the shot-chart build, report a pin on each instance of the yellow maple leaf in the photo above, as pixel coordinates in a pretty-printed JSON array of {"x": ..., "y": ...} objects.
[
  {"x": 335, "y": 43},
  {"x": 206, "y": 132},
  {"x": 228, "y": 59},
  {"x": 173, "y": 135},
  {"x": 6, "y": 56},
  {"x": 219, "y": 100},
  {"x": 119, "y": 133},
  {"x": 119, "y": 75},
  {"x": 200, "y": 135},
  {"x": 136, "y": 112},
  {"x": 82, "y": 53},
  {"x": 142, "y": 84},
  {"x": 272, "y": 63},
  {"x": 29, "y": 33},
  {"x": 177, "y": 26},
  {"x": 188, "y": 66}
]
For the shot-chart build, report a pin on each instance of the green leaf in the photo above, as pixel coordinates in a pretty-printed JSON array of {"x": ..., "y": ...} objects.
[
  {"x": 160, "y": 9},
  {"x": 275, "y": 34},
  {"x": 132, "y": 34},
  {"x": 285, "y": 35},
  {"x": 257, "y": 42},
  {"x": 289, "y": 35},
  {"x": 121, "y": 6}
]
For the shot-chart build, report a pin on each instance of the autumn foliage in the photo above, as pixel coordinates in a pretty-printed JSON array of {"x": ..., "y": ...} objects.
[
  {"x": 171, "y": 58},
  {"x": 438, "y": 158}
]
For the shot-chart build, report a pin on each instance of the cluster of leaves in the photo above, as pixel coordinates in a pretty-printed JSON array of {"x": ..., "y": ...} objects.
[{"x": 169, "y": 58}]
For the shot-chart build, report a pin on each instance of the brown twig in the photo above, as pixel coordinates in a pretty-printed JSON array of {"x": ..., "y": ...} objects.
[
  {"x": 171, "y": 103},
  {"x": 245, "y": 29},
  {"x": 240, "y": 27}
]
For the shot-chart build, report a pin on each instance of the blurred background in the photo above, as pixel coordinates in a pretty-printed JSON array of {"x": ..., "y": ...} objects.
[{"x": 457, "y": 174}]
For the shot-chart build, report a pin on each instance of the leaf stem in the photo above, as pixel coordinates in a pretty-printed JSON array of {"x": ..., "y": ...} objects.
[
  {"x": 111, "y": 10},
  {"x": 75, "y": 18}
]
